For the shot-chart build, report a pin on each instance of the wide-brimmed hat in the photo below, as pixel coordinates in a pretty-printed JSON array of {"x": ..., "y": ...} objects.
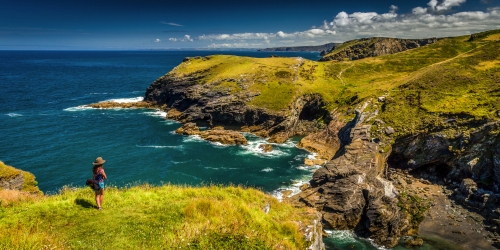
[{"x": 98, "y": 161}]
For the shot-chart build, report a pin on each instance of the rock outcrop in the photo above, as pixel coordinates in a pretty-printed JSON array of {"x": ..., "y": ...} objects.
[
  {"x": 217, "y": 134},
  {"x": 15, "y": 179},
  {"x": 202, "y": 104},
  {"x": 111, "y": 105},
  {"x": 351, "y": 193},
  {"x": 371, "y": 47}
]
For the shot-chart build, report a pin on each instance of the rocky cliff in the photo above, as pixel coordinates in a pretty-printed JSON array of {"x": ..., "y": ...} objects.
[
  {"x": 318, "y": 48},
  {"x": 371, "y": 47},
  {"x": 429, "y": 114},
  {"x": 15, "y": 179}
]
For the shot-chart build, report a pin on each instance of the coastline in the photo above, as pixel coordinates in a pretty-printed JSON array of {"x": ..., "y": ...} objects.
[{"x": 431, "y": 231}]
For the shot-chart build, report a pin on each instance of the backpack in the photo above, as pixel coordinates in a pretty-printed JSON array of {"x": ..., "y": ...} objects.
[{"x": 93, "y": 184}]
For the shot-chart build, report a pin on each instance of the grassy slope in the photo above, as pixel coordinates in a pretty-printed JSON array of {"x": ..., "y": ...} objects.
[
  {"x": 450, "y": 77},
  {"x": 149, "y": 217}
]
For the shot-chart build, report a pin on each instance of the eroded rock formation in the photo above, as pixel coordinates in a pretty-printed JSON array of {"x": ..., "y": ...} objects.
[{"x": 351, "y": 192}]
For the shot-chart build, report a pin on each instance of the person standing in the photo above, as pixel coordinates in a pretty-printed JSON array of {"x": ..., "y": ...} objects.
[{"x": 99, "y": 176}]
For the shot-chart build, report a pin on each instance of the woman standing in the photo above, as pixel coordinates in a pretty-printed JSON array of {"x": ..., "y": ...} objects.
[{"x": 99, "y": 176}]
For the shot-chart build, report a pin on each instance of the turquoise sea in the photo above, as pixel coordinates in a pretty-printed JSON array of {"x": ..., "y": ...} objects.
[{"x": 45, "y": 130}]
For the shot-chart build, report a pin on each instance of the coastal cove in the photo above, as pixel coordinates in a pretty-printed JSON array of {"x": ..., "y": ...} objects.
[{"x": 47, "y": 132}]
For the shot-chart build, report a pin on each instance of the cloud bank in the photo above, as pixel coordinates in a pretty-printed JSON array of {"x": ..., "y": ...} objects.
[{"x": 437, "y": 19}]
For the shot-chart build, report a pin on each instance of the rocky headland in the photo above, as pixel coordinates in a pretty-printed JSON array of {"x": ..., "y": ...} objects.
[{"x": 410, "y": 145}]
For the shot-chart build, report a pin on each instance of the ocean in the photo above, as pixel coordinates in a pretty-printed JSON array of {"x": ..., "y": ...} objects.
[{"x": 45, "y": 130}]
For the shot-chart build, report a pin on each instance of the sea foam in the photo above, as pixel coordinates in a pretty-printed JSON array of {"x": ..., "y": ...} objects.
[
  {"x": 157, "y": 113},
  {"x": 14, "y": 114},
  {"x": 126, "y": 100}
]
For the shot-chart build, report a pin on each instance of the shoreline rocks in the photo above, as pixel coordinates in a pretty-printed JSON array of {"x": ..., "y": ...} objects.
[{"x": 217, "y": 134}]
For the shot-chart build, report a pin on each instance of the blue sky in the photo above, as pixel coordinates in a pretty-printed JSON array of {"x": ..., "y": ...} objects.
[{"x": 156, "y": 24}]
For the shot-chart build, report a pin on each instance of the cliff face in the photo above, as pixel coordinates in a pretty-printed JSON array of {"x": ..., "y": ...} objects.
[
  {"x": 371, "y": 47},
  {"x": 205, "y": 104}
]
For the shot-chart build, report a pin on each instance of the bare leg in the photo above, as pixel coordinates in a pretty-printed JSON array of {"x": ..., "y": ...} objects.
[
  {"x": 98, "y": 200},
  {"x": 101, "y": 197}
]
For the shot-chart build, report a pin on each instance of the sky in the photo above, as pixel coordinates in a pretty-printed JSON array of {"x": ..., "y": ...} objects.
[{"x": 217, "y": 24}]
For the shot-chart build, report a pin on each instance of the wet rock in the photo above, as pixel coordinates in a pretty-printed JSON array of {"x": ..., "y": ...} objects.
[
  {"x": 111, "y": 105},
  {"x": 218, "y": 134}
]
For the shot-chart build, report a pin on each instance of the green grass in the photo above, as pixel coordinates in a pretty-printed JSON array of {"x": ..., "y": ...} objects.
[
  {"x": 453, "y": 77},
  {"x": 147, "y": 217}
]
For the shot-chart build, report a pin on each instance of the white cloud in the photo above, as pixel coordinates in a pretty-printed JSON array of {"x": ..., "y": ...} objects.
[
  {"x": 393, "y": 9},
  {"x": 433, "y": 20},
  {"x": 157, "y": 40},
  {"x": 185, "y": 38},
  {"x": 171, "y": 24}
]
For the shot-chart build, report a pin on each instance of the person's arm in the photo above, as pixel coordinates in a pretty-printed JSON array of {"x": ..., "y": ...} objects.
[{"x": 103, "y": 174}]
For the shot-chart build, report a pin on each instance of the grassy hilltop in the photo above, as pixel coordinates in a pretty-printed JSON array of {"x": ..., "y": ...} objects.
[
  {"x": 456, "y": 77},
  {"x": 147, "y": 217}
]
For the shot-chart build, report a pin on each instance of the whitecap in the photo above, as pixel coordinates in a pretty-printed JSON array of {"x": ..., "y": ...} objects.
[
  {"x": 218, "y": 144},
  {"x": 160, "y": 146},
  {"x": 192, "y": 138},
  {"x": 78, "y": 108},
  {"x": 170, "y": 122},
  {"x": 267, "y": 170},
  {"x": 126, "y": 100},
  {"x": 157, "y": 113},
  {"x": 252, "y": 148},
  {"x": 14, "y": 114}
]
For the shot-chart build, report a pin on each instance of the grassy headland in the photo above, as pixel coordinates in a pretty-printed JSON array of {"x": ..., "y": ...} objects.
[
  {"x": 147, "y": 217},
  {"x": 452, "y": 78}
]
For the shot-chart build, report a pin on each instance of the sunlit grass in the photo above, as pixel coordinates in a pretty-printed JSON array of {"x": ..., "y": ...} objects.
[{"x": 147, "y": 217}]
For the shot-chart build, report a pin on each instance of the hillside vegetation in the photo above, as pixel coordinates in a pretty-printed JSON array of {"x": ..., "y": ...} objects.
[
  {"x": 456, "y": 77},
  {"x": 147, "y": 217}
]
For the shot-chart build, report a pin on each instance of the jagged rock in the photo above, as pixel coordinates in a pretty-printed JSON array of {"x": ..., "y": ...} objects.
[
  {"x": 217, "y": 134},
  {"x": 381, "y": 98},
  {"x": 266, "y": 147},
  {"x": 312, "y": 162},
  {"x": 326, "y": 142},
  {"x": 174, "y": 114},
  {"x": 227, "y": 137},
  {"x": 188, "y": 129},
  {"x": 110, "y": 105},
  {"x": 350, "y": 193},
  {"x": 279, "y": 137}
]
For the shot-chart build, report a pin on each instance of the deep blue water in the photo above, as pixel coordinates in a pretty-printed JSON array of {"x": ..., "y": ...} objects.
[{"x": 44, "y": 131}]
